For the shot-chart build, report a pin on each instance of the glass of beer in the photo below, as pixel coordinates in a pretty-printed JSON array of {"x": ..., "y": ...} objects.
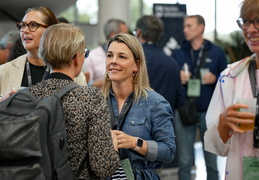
[{"x": 251, "y": 102}]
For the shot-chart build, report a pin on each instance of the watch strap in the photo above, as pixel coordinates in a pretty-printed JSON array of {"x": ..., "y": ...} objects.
[{"x": 136, "y": 148}]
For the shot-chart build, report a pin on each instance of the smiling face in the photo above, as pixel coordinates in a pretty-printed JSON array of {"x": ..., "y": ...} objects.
[
  {"x": 31, "y": 40},
  {"x": 120, "y": 63},
  {"x": 251, "y": 36}
]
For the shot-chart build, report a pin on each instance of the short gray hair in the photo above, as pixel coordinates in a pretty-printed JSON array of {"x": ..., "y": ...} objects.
[
  {"x": 9, "y": 38},
  {"x": 112, "y": 25}
]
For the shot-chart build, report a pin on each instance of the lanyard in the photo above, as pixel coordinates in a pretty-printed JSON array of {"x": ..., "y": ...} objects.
[
  {"x": 252, "y": 76},
  {"x": 117, "y": 123},
  {"x": 28, "y": 70},
  {"x": 198, "y": 60}
]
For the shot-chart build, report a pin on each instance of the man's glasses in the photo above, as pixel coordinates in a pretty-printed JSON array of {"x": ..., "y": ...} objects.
[
  {"x": 87, "y": 52},
  {"x": 244, "y": 23},
  {"x": 33, "y": 26}
]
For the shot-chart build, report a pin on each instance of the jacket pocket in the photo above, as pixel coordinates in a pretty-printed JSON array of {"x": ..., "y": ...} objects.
[{"x": 137, "y": 121}]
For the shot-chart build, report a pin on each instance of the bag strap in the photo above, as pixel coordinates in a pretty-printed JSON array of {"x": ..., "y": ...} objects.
[
  {"x": 204, "y": 55},
  {"x": 61, "y": 92},
  {"x": 26, "y": 92},
  {"x": 251, "y": 70},
  {"x": 201, "y": 63},
  {"x": 254, "y": 86},
  {"x": 122, "y": 116}
]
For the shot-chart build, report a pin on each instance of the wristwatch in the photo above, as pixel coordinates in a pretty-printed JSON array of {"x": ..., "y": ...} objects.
[{"x": 139, "y": 144}]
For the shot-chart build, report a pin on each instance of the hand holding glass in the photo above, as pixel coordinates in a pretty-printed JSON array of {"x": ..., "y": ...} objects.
[
  {"x": 203, "y": 71},
  {"x": 251, "y": 102}
]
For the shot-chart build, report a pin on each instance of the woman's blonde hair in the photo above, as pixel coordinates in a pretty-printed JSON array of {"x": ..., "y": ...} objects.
[
  {"x": 140, "y": 81},
  {"x": 60, "y": 43}
]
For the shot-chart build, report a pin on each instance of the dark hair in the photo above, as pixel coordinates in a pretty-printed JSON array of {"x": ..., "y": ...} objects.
[
  {"x": 151, "y": 27},
  {"x": 200, "y": 19},
  {"x": 49, "y": 16},
  {"x": 63, "y": 20}
]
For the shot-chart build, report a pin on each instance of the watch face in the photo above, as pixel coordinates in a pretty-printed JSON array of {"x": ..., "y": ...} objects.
[{"x": 140, "y": 142}]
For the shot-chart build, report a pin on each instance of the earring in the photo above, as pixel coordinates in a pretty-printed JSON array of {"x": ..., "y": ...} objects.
[
  {"x": 107, "y": 77},
  {"x": 135, "y": 77}
]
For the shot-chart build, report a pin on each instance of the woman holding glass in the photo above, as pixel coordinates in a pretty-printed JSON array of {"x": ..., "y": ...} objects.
[{"x": 226, "y": 117}]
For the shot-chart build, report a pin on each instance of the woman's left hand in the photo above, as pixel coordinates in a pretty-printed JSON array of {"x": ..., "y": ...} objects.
[{"x": 124, "y": 140}]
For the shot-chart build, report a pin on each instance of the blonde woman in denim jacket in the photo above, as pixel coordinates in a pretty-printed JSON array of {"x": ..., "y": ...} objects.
[{"x": 145, "y": 134}]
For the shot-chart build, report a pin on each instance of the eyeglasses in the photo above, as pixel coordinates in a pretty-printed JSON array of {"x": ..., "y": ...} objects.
[
  {"x": 244, "y": 23},
  {"x": 33, "y": 26},
  {"x": 87, "y": 52}
]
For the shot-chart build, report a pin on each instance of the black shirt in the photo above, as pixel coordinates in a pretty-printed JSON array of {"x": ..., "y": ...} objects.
[{"x": 37, "y": 73}]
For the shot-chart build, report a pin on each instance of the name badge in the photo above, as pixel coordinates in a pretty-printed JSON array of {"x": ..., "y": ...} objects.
[
  {"x": 125, "y": 163},
  {"x": 250, "y": 168},
  {"x": 194, "y": 88}
]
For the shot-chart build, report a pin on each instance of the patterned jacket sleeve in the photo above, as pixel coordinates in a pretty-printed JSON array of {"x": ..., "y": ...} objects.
[{"x": 104, "y": 160}]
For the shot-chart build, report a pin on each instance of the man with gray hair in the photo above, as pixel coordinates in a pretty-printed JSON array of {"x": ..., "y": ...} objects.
[
  {"x": 6, "y": 43},
  {"x": 94, "y": 65}
]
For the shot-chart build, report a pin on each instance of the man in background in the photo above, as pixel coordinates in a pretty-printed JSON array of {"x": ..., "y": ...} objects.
[
  {"x": 94, "y": 66},
  {"x": 197, "y": 53},
  {"x": 163, "y": 70},
  {"x": 6, "y": 43}
]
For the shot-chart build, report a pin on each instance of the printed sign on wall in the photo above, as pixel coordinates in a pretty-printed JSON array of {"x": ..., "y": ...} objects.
[{"x": 172, "y": 15}]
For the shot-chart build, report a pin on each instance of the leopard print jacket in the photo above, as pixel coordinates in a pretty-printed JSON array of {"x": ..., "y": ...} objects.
[{"x": 88, "y": 128}]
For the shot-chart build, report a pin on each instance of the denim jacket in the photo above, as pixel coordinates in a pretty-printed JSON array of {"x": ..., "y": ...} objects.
[{"x": 150, "y": 119}]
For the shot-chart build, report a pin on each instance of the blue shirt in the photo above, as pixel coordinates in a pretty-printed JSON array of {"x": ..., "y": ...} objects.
[
  {"x": 216, "y": 61},
  {"x": 150, "y": 119},
  {"x": 164, "y": 75}
]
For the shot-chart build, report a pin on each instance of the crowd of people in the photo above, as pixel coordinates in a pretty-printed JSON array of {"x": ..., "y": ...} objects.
[{"x": 131, "y": 93}]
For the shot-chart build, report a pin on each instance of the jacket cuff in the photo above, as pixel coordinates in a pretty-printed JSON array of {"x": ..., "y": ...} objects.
[
  {"x": 152, "y": 150},
  {"x": 213, "y": 142}
]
